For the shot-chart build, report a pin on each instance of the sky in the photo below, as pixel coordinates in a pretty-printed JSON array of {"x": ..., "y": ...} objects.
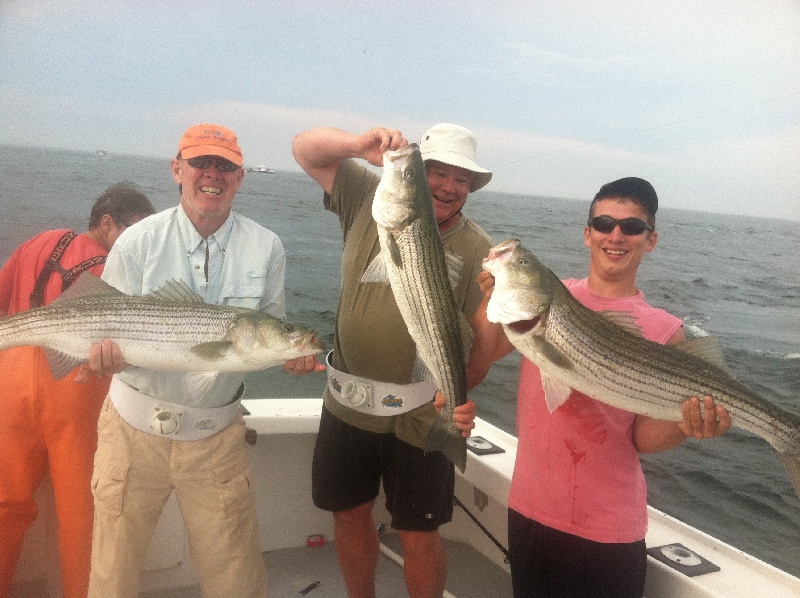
[{"x": 700, "y": 97}]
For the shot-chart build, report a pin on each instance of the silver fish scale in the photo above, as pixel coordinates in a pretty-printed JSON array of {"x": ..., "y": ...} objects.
[
  {"x": 122, "y": 318},
  {"x": 429, "y": 309},
  {"x": 661, "y": 378}
]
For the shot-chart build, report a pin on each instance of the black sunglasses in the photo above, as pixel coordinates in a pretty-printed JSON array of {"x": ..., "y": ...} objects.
[
  {"x": 203, "y": 162},
  {"x": 629, "y": 226}
]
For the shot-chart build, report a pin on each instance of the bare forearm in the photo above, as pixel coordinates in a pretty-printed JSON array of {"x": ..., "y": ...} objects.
[
  {"x": 654, "y": 435},
  {"x": 490, "y": 344},
  {"x": 320, "y": 151},
  {"x": 324, "y": 146}
]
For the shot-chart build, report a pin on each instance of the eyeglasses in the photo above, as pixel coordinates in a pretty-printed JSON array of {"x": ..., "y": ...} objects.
[
  {"x": 203, "y": 162},
  {"x": 629, "y": 226},
  {"x": 120, "y": 222}
]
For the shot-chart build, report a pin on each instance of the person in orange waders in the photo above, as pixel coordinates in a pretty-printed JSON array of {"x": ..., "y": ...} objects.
[{"x": 46, "y": 422}]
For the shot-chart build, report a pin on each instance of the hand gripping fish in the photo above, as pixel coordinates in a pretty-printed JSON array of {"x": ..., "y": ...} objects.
[
  {"x": 575, "y": 347},
  {"x": 413, "y": 260},
  {"x": 171, "y": 329}
]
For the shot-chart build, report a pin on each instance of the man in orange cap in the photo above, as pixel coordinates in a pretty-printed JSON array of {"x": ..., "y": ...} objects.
[
  {"x": 46, "y": 423},
  {"x": 227, "y": 260}
]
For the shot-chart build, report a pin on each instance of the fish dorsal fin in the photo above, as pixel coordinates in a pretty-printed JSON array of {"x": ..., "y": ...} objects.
[
  {"x": 706, "y": 348},
  {"x": 60, "y": 363},
  {"x": 88, "y": 285},
  {"x": 376, "y": 271},
  {"x": 556, "y": 392},
  {"x": 175, "y": 291},
  {"x": 623, "y": 319}
]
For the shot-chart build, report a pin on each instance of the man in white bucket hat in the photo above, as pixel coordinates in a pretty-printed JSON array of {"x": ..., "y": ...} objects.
[{"x": 358, "y": 447}]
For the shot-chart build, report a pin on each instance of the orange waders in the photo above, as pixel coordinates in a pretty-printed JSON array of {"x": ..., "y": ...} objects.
[{"x": 46, "y": 422}]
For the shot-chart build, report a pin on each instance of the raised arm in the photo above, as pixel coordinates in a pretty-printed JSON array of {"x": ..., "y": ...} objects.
[
  {"x": 319, "y": 151},
  {"x": 490, "y": 342}
]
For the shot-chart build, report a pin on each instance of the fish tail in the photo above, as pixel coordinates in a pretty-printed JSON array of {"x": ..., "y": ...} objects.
[
  {"x": 792, "y": 465},
  {"x": 445, "y": 437}
]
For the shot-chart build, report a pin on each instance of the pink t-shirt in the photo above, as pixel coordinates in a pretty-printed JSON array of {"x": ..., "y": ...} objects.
[{"x": 577, "y": 469}]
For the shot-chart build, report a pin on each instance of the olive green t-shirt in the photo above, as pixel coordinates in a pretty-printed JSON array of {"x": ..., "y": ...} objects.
[{"x": 371, "y": 338}]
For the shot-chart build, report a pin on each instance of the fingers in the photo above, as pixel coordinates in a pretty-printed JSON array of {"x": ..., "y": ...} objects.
[
  {"x": 716, "y": 422},
  {"x": 392, "y": 139},
  {"x": 439, "y": 401},
  {"x": 485, "y": 282},
  {"x": 464, "y": 417},
  {"x": 105, "y": 358},
  {"x": 303, "y": 365}
]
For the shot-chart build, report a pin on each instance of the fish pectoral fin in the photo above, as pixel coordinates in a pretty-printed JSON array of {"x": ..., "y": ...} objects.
[
  {"x": 394, "y": 251},
  {"x": 212, "y": 350},
  {"x": 706, "y": 348},
  {"x": 421, "y": 372},
  {"x": 556, "y": 392},
  {"x": 60, "y": 363},
  {"x": 376, "y": 271},
  {"x": 552, "y": 354},
  {"x": 467, "y": 334},
  {"x": 454, "y": 263},
  {"x": 199, "y": 383},
  {"x": 175, "y": 291}
]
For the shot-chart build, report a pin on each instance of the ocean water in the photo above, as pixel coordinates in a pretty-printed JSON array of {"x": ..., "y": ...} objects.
[{"x": 733, "y": 277}]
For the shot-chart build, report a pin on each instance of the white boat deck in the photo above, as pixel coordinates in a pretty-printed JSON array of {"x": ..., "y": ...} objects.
[{"x": 282, "y": 477}]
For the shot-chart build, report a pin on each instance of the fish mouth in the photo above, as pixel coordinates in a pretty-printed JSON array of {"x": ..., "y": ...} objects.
[
  {"x": 307, "y": 341},
  {"x": 402, "y": 152},
  {"x": 396, "y": 159},
  {"x": 524, "y": 326},
  {"x": 500, "y": 252}
]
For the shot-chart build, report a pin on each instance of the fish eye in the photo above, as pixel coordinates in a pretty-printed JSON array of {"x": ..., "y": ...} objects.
[
  {"x": 408, "y": 173},
  {"x": 288, "y": 328}
]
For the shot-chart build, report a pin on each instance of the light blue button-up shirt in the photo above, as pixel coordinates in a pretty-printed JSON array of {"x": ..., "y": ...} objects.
[{"x": 246, "y": 268}]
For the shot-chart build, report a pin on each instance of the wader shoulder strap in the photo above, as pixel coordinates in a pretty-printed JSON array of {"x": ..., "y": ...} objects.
[{"x": 53, "y": 264}]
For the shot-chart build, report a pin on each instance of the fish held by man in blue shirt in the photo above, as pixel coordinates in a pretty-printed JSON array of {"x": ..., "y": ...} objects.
[{"x": 171, "y": 329}]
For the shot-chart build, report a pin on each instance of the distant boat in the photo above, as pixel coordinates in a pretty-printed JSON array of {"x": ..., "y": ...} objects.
[
  {"x": 261, "y": 168},
  {"x": 101, "y": 153}
]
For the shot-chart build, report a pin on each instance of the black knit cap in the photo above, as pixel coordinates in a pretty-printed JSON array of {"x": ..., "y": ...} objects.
[{"x": 633, "y": 188}]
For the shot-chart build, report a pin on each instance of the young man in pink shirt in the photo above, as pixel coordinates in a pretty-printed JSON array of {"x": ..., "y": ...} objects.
[{"x": 577, "y": 506}]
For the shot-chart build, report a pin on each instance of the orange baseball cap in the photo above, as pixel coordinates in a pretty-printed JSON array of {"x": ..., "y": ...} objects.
[{"x": 210, "y": 140}]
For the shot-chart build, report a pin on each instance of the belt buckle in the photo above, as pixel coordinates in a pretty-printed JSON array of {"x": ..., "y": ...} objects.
[
  {"x": 165, "y": 422},
  {"x": 357, "y": 394}
]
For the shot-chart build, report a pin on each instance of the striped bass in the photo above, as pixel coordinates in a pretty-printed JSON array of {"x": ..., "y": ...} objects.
[
  {"x": 171, "y": 329},
  {"x": 575, "y": 347},
  {"x": 412, "y": 259}
]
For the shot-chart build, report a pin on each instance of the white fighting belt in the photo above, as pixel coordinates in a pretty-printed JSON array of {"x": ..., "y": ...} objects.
[
  {"x": 170, "y": 420},
  {"x": 377, "y": 398}
]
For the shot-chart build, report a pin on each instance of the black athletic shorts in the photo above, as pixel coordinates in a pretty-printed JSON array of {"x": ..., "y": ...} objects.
[
  {"x": 349, "y": 464},
  {"x": 546, "y": 562}
]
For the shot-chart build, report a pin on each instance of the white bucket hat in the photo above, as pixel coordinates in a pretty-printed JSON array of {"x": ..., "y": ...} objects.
[{"x": 454, "y": 145}]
